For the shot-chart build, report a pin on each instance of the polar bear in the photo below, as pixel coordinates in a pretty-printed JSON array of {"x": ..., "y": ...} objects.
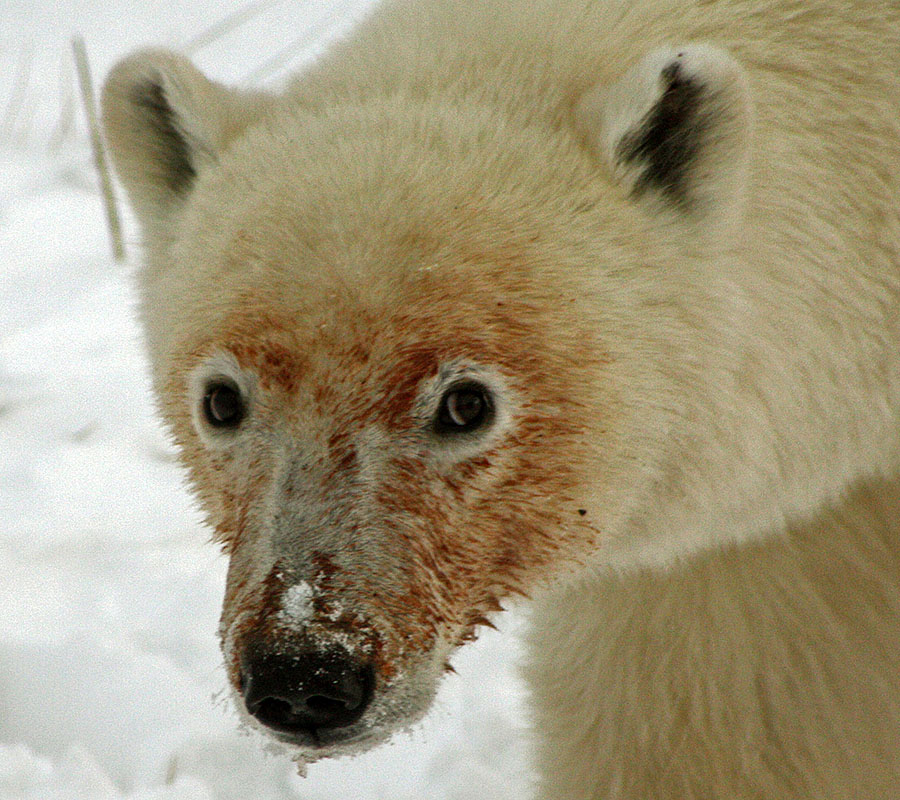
[{"x": 594, "y": 303}]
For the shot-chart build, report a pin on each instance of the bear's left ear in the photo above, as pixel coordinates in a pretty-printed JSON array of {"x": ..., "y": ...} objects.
[{"x": 675, "y": 130}]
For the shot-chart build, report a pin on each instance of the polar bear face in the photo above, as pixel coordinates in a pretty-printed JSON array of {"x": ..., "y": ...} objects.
[{"x": 404, "y": 353}]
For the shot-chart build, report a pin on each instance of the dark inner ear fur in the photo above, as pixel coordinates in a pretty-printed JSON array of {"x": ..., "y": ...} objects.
[
  {"x": 668, "y": 138},
  {"x": 173, "y": 151}
]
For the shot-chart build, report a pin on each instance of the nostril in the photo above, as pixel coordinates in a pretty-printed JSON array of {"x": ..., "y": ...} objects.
[
  {"x": 274, "y": 713},
  {"x": 319, "y": 704},
  {"x": 302, "y": 692},
  {"x": 303, "y": 711}
]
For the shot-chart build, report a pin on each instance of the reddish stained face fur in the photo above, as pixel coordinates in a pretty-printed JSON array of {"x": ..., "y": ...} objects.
[{"x": 337, "y": 478}]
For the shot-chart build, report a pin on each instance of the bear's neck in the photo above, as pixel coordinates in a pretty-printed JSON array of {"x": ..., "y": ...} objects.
[{"x": 762, "y": 669}]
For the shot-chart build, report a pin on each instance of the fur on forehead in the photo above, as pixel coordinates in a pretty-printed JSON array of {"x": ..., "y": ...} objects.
[
  {"x": 428, "y": 326},
  {"x": 306, "y": 251}
]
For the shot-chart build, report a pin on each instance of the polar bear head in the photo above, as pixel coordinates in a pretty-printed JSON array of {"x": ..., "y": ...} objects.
[{"x": 420, "y": 353}]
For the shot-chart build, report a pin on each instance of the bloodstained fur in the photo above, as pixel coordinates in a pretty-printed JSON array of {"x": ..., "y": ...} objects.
[{"x": 458, "y": 537}]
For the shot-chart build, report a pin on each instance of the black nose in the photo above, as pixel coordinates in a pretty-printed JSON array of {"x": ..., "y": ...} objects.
[{"x": 301, "y": 692}]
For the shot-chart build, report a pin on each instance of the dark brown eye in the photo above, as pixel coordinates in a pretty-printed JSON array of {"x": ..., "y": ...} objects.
[
  {"x": 464, "y": 408},
  {"x": 222, "y": 405}
]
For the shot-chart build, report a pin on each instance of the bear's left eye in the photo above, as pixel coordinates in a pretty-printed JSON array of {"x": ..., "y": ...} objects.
[
  {"x": 464, "y": 408},
  {"x": 223, "y": 406}
]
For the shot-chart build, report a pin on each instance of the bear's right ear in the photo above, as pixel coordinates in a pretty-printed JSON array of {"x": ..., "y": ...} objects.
[{"x": 165, "y": 122}]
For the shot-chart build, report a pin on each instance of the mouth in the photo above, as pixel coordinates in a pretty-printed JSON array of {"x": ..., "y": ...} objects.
[
  {"x": 308, "y": 744},
  {"x": 315, "y": 740}
]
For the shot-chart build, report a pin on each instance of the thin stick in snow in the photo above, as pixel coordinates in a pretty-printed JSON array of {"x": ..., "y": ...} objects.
[{"x": 90, "y": 109}]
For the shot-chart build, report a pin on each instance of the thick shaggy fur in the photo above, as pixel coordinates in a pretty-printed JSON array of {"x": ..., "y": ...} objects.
[
  {"x": 664, "y": 237},
  {"x": 763, "y": 671}
]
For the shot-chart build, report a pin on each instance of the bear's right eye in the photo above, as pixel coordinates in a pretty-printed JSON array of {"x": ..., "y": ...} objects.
[{"x": 223, "y": 406}]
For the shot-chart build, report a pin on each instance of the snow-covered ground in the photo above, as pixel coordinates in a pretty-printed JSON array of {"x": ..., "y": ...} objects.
[{"x": 111, "y": 685}]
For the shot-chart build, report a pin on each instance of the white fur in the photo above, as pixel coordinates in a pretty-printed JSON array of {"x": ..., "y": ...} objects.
[
  {"x": 720, "y": 619},
  {"x": 761, "y": 671}
]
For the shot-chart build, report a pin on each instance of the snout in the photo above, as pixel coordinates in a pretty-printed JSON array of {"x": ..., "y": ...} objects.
[{"x": 301, "y": 692}]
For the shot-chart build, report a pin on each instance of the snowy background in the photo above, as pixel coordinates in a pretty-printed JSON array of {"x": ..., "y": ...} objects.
[{"x": 111, "y": 686}]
